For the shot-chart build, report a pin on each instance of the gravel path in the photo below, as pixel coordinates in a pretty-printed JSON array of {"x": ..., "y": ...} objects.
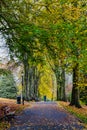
[{"x": 45, "y": 116}]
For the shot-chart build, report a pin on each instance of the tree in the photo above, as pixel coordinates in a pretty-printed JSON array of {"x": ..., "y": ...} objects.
[
  {"x": 83, "y": 88},
  {"x": 7, "y": 86}
]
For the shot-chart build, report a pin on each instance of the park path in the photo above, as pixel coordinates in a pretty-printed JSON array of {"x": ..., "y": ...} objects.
[{"x": 45, "y": 116}]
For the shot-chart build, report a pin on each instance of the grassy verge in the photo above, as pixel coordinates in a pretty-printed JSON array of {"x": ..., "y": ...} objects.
[{"x": 80, "y": 113}]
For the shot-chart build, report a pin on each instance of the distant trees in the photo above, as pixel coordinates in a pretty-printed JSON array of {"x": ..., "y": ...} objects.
[{"x": 7, "y": 86}]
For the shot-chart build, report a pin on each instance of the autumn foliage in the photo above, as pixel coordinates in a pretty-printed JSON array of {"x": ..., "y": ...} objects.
[{"x": 80, "y": 113}]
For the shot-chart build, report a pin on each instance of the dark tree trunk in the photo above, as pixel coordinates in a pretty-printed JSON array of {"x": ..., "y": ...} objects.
[
  {"x": 34, "y": 77},
  {"x": 75, "y": 89},
  {"x": 30, "y": 82},
  {"x": 26, "y": 68},
  {"x": 26, "y": 77},
  {"x": 58, "y": 88},
  {"x": 57, "y": 93},
  {"x": 57, "y": 75},
  {"x": 60, "y": 76},
  {"x": 36, "y": 82},
  {"x": 63, "y": 93}
]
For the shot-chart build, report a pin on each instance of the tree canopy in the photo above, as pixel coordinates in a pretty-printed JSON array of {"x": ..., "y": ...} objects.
[{"x": 52, "y": 31}]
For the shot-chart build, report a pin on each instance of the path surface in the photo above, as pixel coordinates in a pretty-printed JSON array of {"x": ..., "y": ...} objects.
[{"x": 45, "y": 116}]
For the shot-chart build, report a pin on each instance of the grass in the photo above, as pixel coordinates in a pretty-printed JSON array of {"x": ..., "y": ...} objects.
[
  {"x": 14, "y": 107},
  {"x": 80, "y": 113}
]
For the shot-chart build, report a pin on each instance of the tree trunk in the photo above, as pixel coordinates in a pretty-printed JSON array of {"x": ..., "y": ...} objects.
[
  {"x": 60, "y": 77},
  {"x": 58, "y": 88},
  {"x": 36, "y": 82},
  {"x": 30, "y": 82},
  {"x": 26, "y": 77},
  {"x": 57, "y": 93},
  {"x": 63, "y": 93},
  {"x": 53, "y": 86},
  {"x": 75, "y": 89},
  {"x": 34, "y": 77}
]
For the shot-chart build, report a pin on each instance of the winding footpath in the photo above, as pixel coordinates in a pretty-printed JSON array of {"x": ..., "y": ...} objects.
[{"x": 45, "y": 116}]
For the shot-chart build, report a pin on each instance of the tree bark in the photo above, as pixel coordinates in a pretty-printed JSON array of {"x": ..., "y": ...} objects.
[
  {"x": 60, "y": 77},
  {"x": 26, "y": 77},
  {"x": 75, "y": 89},
  {"x": 58, "y": 87},
  {"x": 34, "y": 77},
  {"x": 63, "y": 93}
]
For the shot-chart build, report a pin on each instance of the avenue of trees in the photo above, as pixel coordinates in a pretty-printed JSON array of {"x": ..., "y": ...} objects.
[{"x": 48, "y": 35}]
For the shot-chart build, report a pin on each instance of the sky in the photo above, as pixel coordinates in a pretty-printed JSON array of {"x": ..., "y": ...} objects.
[{"x": 4, "y": 51}]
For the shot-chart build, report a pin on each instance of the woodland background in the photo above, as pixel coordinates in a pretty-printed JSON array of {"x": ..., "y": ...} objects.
[{"x": 46, "y": 40}]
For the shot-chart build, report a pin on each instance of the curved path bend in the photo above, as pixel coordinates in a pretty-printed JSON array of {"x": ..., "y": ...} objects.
[{"x": 45, "y": 116}]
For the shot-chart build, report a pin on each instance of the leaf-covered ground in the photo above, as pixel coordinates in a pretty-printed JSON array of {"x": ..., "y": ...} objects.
[
  {"x": 81, "y": 113},
  {"x": 46, "y": 116},
  {"x": 14, "y": 107}
]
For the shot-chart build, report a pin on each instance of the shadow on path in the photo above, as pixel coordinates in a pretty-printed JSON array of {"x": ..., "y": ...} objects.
[{"x": 45, "y": 116}]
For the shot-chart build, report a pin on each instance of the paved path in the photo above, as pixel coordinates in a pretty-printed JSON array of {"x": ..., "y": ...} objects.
[{"x": 46, "y": 116}]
